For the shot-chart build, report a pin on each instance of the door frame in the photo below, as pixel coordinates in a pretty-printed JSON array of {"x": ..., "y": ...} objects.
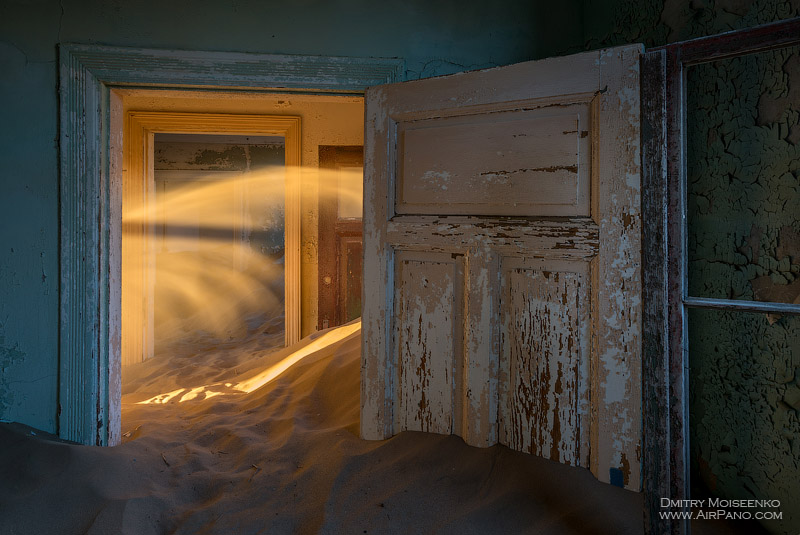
[
  {"x": 90, "y": 194},
  {"x": 138, "y": 194},
  {"x": 665, "y": 358}
]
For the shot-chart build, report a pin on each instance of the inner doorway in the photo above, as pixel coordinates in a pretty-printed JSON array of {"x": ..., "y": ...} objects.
[
  {"x": 143, "y": 216},
  {"x": 177, "y": 142},
  {"x": 219, "y": 241},
  {"x": 340, "y": 234}
]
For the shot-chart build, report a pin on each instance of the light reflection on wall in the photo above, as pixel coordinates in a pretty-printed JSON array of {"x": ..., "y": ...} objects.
[{"x": 217, "y": 249}]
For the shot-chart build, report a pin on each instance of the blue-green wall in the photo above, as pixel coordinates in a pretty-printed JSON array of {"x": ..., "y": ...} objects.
[
  {"x": 28, "y": 215},
  {"x": 434, "y": 38}
]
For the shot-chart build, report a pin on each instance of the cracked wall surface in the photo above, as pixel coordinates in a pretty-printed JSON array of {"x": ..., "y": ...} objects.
[
  {"x": 658, "y": 22},
  {"x": 743, "y": 165},
  {"x": 743, "y": 205},
  {"x": 745, "y": 398}
]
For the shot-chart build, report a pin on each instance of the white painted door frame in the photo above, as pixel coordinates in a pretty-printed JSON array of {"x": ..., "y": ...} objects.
[{"x": 90, "y": 197}]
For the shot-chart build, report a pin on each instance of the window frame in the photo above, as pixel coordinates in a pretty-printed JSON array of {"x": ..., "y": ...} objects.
[{"x": 664, "y": 254}]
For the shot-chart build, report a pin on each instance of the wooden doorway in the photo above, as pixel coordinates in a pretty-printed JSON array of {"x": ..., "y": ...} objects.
[
  {"x": 340, "y": 234},
  {"x": 90, "y": 134}
]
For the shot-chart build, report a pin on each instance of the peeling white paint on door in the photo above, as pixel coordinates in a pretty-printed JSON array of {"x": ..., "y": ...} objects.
[
  {"x": 544, "y": 358},
  {"x": 507, "y": 306}
]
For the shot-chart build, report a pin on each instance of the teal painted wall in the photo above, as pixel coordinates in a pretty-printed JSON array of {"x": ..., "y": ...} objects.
[
  {"x": 434, "y": 38},
  {"x": 28, "y": 218}
]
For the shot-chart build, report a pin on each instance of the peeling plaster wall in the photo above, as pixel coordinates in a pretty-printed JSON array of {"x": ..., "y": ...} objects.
[
  {"x": 744, "y": 243},
  {"x": 658, "y": 22},
  {"x": 745, "y": 398},
  {"x": 743, "y": 167},
  {"x": 434, "y": 38}
]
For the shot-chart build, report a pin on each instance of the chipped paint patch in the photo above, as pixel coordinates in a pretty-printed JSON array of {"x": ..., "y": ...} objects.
[
  {"x": 437, "y": 179},
  {"x": 10, "y": 356}
]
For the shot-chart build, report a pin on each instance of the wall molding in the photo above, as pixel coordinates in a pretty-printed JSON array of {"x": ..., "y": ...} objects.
[
  {"x": 232, "y": 70},
  {"x": 90, "y": 192}
]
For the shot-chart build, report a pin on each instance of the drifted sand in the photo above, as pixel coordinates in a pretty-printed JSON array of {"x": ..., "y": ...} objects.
[{"x": 285, "y": 458}]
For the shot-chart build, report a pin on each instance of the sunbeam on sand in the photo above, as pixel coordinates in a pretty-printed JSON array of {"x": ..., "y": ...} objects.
[{"x": 261, "y": 377}]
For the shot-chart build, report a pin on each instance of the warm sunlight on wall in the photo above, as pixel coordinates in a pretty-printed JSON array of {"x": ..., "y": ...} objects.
[{"x": 217, "y": 272}]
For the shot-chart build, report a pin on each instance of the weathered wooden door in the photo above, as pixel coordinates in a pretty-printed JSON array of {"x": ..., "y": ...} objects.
[
  {"x": 339, "y": 238},
  {"x": 502, "y": 260}
]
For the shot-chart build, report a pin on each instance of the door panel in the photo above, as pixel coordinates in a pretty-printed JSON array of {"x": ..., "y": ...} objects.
[
  {"x": 351, "y": 267},
  {"x": 428, "y": 331},
  {"x": 544, "y": 357},
  {"x": 540, "y": 161},
  {"x": 502, "y": 260}
]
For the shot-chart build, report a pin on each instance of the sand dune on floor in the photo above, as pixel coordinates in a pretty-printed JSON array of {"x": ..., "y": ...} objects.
[{"x": 285, "y": 458}]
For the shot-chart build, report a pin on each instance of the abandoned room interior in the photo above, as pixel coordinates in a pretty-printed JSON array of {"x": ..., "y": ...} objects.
[{"x": 384, "y": 267}]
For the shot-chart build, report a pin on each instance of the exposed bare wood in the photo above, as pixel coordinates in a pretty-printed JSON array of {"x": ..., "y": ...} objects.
[
  {"x": 575, "y": 238},
  {"x": 428, "y": 335},
  {"x": 544, "y": 358},
  {"x": 617, "y": 303},
  {"x": 482, "y": 346}
]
